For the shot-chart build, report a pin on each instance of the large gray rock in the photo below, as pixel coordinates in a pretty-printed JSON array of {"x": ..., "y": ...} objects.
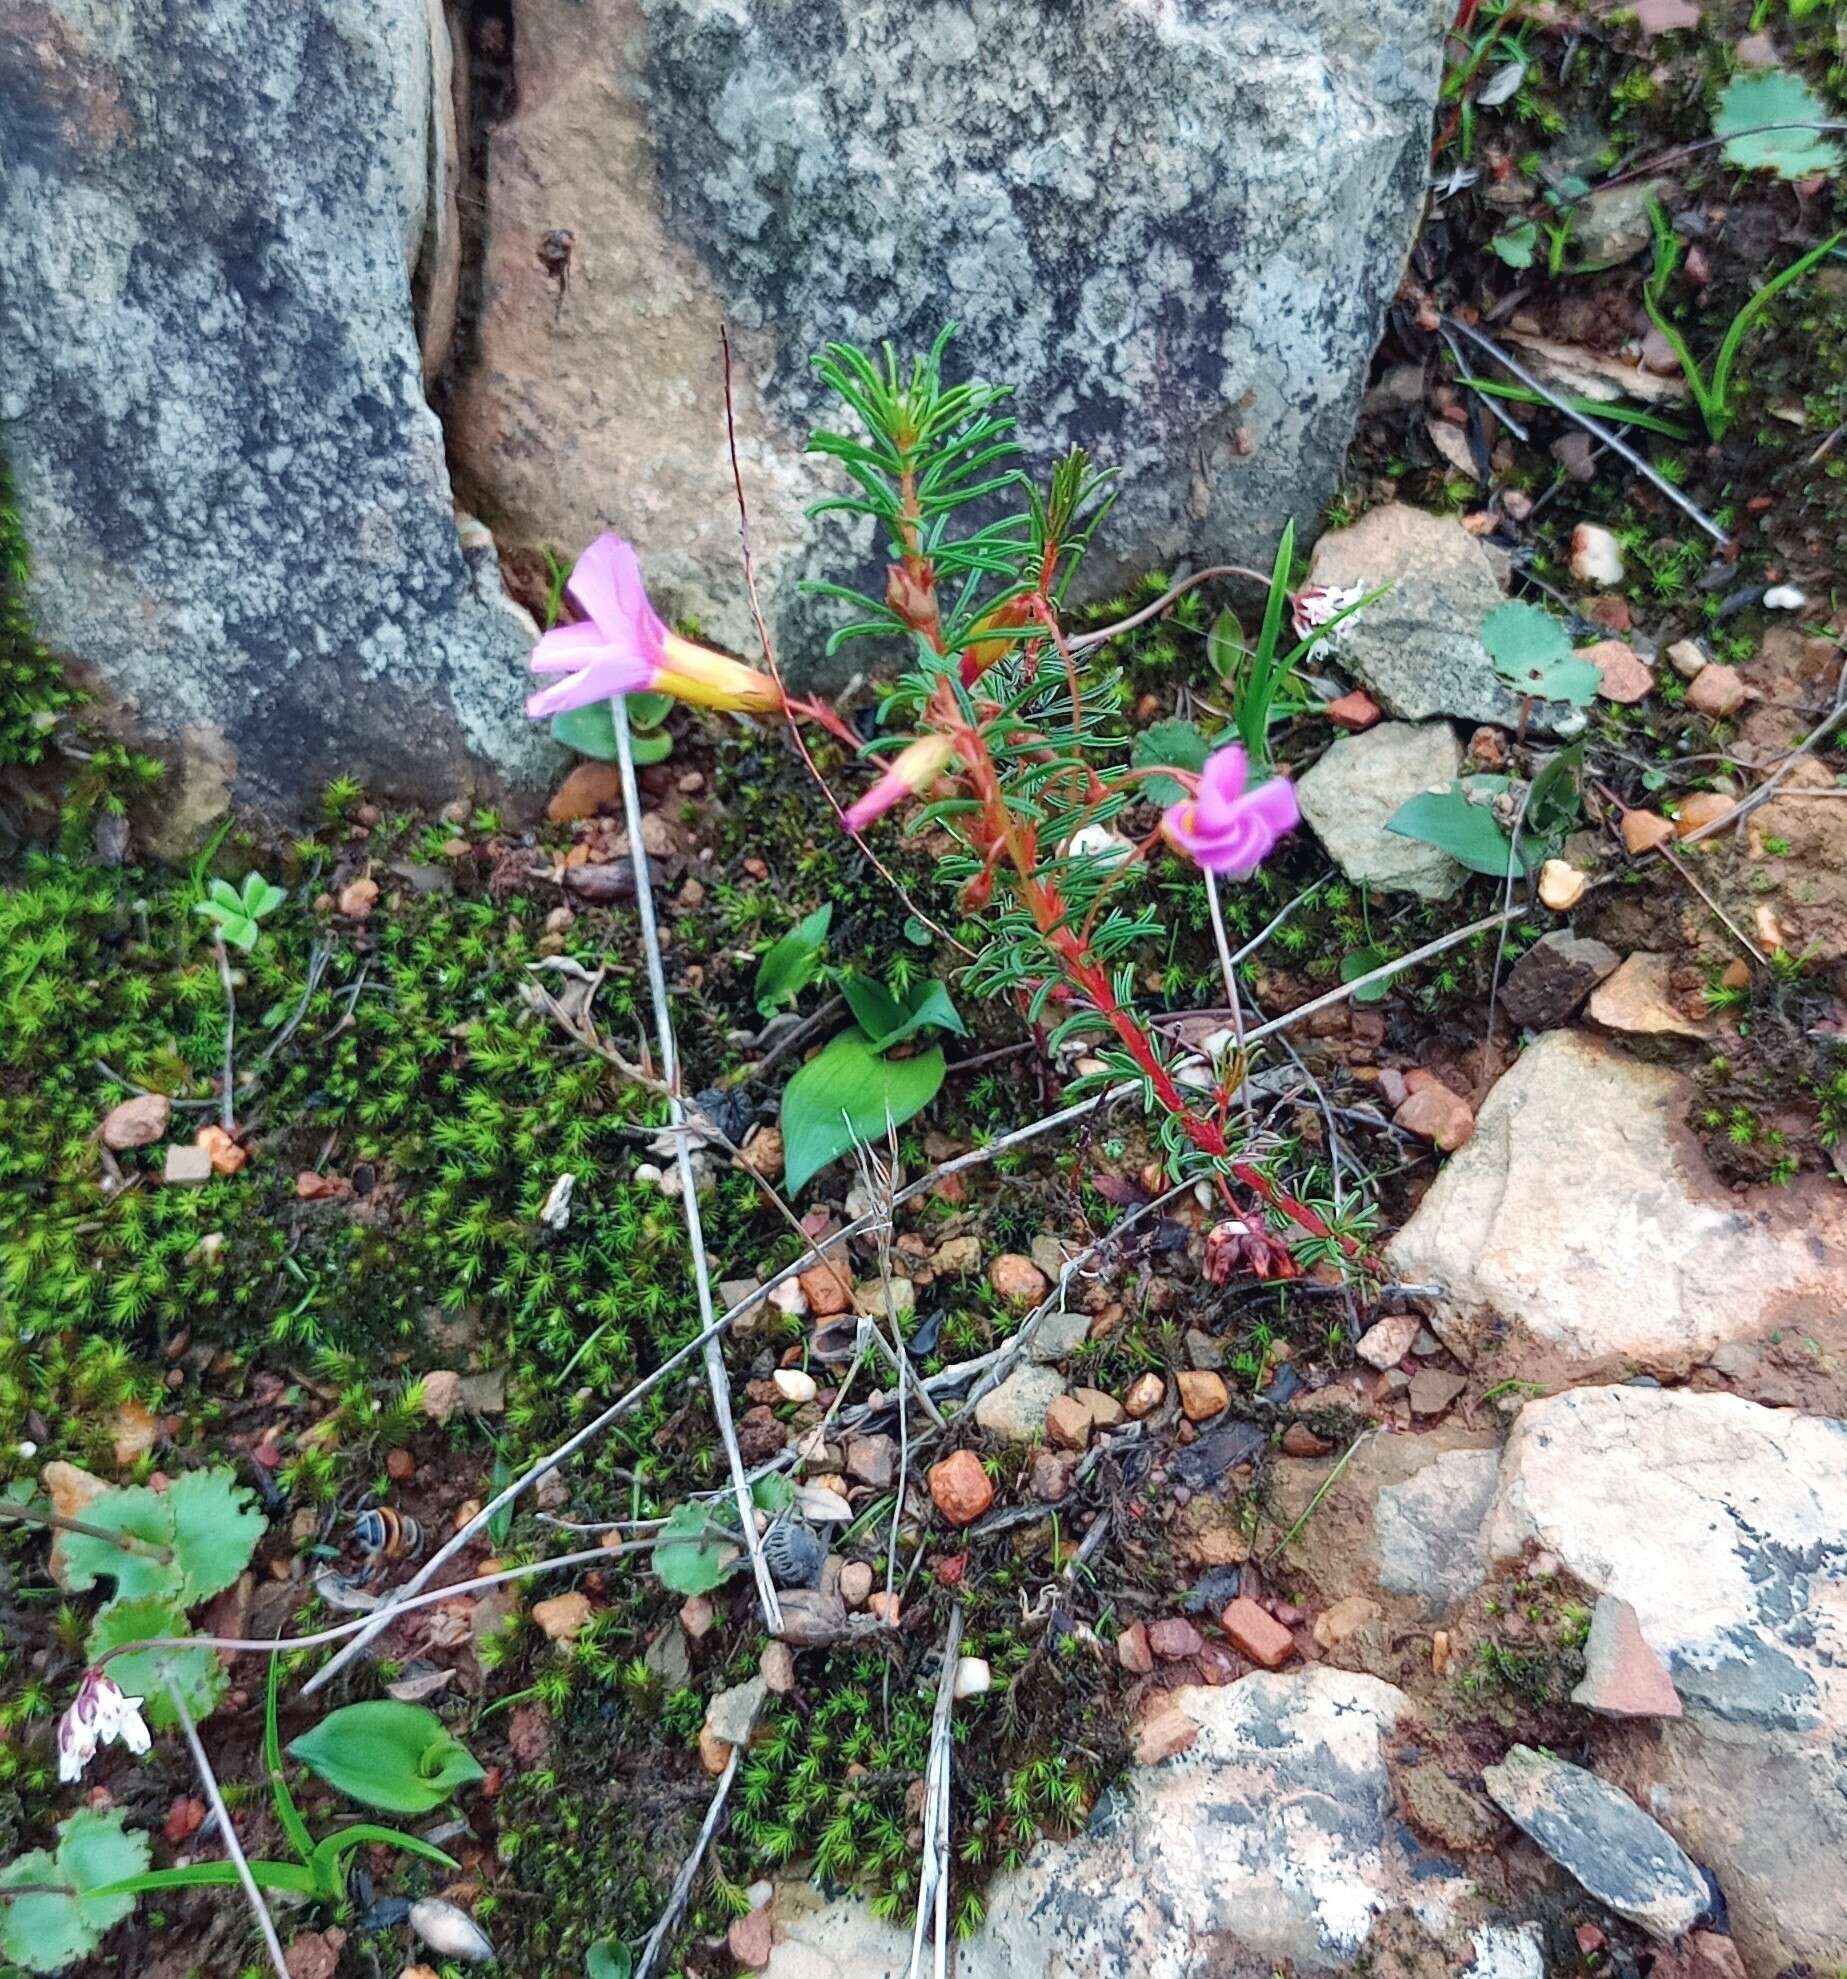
[
  {"x": 233, "y": 491},
  {"x": 1623, "y": 1857},
  {"x": 1582, "y": 1220},
  {"x": 1351, "y": 794},
  {"x": 1175, "y": 227},
  {"x": 1418, "y": 648},
  {"x": 1724, "y": 1525}
]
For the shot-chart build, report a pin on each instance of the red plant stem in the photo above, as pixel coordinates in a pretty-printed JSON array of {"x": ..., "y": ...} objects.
[{"x": 995, "y": 831}]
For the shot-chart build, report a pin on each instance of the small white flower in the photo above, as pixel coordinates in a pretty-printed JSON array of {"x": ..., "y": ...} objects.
[
  {"x": 1317, "y": 605},
  {"x": 557, "y": 1211},
  {"x": 1784, "y": 598},
  {"x": 1100, "y": 843},
  {"x": 99, "y": 1714}
]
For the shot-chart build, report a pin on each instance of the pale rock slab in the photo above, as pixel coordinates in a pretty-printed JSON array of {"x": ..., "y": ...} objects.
[
  {"x": 1355, "y": 789},
  {"x": 1724, "y": 1526},
  {"x": 1581, "y": 1217}
]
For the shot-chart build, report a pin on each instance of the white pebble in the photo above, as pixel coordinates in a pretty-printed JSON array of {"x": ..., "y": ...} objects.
[
  {"x": 788, "y": 1297},
  {"x": 793, "y": 1385},
  {"x": 1784, "y": 598},
  {"x": 1596, "y": 555},
  {"x": 449, "y": 1931},
  {"x": 973, "y": 1676}
]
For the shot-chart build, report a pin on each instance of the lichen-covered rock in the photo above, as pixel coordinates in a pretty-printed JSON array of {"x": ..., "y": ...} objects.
[
  {"x": 234, "y": 493},
  {"x": 1174, "y": 227},
  {"x": 1272, "y": 1831},
  {"x": 1724, "y": 1526},
  {"x": 1418, "y": 647}
]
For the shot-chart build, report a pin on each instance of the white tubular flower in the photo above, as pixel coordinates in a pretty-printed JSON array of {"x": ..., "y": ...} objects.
[
  {"x": 99, "y": 1714},
  {"x": 1319, "y": 604}
]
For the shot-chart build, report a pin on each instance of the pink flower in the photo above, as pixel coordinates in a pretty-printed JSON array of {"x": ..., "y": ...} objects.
[
  {"x": 917, "y": 766},
  {"x": 1226, "y": 828},
  {"x": 623, "y": 647},
  {"x": 100, "y": 1713}
]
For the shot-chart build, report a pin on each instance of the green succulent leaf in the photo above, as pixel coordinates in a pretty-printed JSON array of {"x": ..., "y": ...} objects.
[
  {"x": 399, "y": 1757},
  {"x": 147, "y": 1673},
  {"x": 1532, "y": 652},
  {"x": 1362, "y": 962},
  {"x": 789, "y": 965},
  {"x": 846, "y": 1094},
  {"x": 216, "y": 1527},
  {"x": 608, "y": 1958},
  {"x": 138, "y": 1513},
  {"x": 1469, "y": 832},
  {"x": 45, "y": 1932},
  {"x": 1517, "y": 245}
]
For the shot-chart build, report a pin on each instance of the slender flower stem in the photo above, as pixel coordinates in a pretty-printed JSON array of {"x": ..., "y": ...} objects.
[
  {"x": 716, "y": 1377},
  {"x": 232, "y": 1846},
  {"x": 1232, "y": 997},
  {"x": 282, "y": 1645}
]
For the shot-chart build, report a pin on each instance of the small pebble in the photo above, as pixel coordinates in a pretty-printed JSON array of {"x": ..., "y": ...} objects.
[
  {"x": 973, "y": 1676},
  {"x": 793, "y": 1385}
]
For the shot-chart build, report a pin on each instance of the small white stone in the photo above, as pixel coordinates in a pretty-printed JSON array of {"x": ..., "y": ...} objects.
[
  {"x": 794, "y": 1385},
  {"x": 1596, "y": 556},
  {"x": 1784, "y": 598},
  {"x": 450, "y": 1932},
  {"x": 973, "y": 1676},
  {"x": 788, "y": 1297}
]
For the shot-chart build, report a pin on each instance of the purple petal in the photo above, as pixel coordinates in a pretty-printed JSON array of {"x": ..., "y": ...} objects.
[
  {"x": 606, "y": 584},
  {"x": 1221, "y": 785},
  {"x": 1274, "y": 804},
  {"x": 566, "y": 648}
]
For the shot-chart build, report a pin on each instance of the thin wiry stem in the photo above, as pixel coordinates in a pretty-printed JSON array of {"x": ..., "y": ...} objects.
[
  {"x": 1616, "y": 445},
  {"x": 669, "y": 1918},
  {"x": 232, "y": 1846},
  {"x": 717, "y": 1379},
  {"x": 226, "y": 1104},
  {"x": 933, "y": 1878},
  {"x": 366, "y": 1629}
]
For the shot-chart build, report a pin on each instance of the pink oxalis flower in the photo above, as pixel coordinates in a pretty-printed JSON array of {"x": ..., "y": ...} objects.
[
  {"x": 916, "y": 766},
  {"x": 622, "y": 646},
  {"x": 1223, "y": 826},
  {"x": 100, "y": 1713}
]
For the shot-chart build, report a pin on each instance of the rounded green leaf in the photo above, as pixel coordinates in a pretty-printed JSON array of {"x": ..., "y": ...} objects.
[
  {"x": 590, "y": 730},
  {"x": 139, "y": 1513},
  {"x": 608, "y": 1958},
  {"x": 687, "y": 1555},
  {"x": 1774, "y": 96},
  {"x": 147, "y": 1673},
  {"x": 44, "y": 1933},
  {"x": 216, "y": 1526},
  {"x": 848, "y": 1093},
  {"x": 400, "y": 1757}
]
